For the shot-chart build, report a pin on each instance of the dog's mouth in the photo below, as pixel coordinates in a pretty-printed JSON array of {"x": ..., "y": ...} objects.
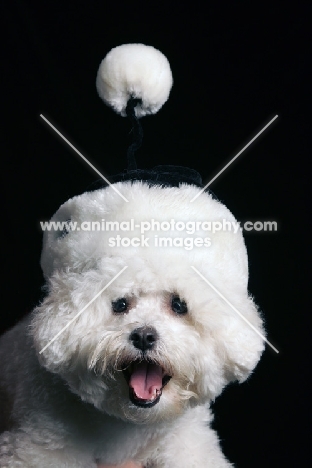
[{"x": 146, "y": 381}]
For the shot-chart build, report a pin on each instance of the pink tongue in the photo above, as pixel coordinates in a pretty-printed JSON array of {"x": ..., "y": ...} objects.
[{"x": 145, "y": 380}]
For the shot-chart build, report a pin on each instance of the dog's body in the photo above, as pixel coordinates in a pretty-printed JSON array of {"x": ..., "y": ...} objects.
[{"x": 131, "y": 377}]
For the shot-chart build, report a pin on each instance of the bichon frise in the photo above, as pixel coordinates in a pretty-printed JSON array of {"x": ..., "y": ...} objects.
[{"x": 133, "y": 339}]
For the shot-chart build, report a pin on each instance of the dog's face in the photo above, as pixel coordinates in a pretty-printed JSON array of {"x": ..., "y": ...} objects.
[{"x": 158, "y": 338}]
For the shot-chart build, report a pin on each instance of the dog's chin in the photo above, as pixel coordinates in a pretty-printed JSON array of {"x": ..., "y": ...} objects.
[{"x": 146, "y": 381}]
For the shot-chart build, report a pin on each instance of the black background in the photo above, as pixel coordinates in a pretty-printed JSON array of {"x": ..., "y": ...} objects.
[{"x": 235, "y": 66}]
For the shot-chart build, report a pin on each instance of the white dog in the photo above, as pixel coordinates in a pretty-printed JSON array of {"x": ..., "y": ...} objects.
[
  {"x": 142, "y": 325},
  {"x": 131, "y": 377}
]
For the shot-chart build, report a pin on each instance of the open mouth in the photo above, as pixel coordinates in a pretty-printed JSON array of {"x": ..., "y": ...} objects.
[{"x": 146, "y": 381}]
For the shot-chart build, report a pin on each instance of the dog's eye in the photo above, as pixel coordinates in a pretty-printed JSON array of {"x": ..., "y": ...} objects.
[
  {"x": 120, "y": 305},
  {"x": 178, "y": 306}
]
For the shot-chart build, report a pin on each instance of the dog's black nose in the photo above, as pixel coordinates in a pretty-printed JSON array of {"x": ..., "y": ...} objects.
[{"x": 144, "y": 338}]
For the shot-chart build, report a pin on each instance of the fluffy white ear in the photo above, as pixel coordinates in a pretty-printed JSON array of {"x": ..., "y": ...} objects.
[
  {"x": 243, "y": 345},
  {"x": 138, "y": 71}
]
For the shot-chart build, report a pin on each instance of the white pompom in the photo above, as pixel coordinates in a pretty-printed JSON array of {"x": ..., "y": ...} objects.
[{"x": 134, "y": 70}]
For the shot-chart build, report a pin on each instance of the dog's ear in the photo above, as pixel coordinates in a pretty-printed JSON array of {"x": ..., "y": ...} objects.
[{"x": 243, "y": 341}]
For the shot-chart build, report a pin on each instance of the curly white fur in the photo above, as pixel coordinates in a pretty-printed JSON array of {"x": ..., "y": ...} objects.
[
  {"x": 70, "y": 405},
  {"x": 134, "y": 70}
]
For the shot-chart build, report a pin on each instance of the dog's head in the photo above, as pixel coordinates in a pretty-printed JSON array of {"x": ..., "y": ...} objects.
[{"x": 146, "y": 341}]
